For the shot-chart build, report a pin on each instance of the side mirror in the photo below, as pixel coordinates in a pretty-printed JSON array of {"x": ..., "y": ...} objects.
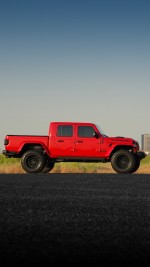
[{"x": 95, "y": 134}]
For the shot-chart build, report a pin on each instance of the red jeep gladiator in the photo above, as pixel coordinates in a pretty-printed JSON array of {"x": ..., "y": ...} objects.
[{"x": 73, "y": 142}]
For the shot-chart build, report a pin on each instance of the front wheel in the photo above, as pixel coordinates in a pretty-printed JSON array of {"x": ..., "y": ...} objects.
[
  {"x": 124, "y": 161},
  {"x": 33, "y": 161},
  {"x": 137, "y": 164}
]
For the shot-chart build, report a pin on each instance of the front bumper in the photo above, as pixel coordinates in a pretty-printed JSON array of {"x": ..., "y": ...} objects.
[{"x": 141, "y": 154}]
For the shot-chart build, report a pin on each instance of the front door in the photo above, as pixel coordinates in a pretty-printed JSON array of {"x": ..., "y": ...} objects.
[{"x": 87, "y": 145}]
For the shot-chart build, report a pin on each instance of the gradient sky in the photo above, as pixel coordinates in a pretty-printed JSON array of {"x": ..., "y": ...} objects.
[{"x": 75, "y": 60}]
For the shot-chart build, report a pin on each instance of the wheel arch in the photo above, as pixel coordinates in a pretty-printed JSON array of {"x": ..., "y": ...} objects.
[
  {"x": 119, "y": 147},
  {"x": 30, "y": 146}
]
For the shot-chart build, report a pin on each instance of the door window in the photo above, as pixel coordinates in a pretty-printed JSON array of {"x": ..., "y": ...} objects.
[
  {"x": 65, "y": 130},
  {"x": 85, "y": 131}
]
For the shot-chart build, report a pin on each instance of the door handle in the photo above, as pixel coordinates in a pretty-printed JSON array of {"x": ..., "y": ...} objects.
[
  {"x": 60, "y": 141},
  {"x": 79, "y": 141}
]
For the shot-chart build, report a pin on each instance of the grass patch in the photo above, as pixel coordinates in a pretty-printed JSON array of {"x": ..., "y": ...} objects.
[
  {"x": 8, "y": 161},
  {"x": 146, "y": 161},
  {"x": 10, "y": 165},
  {"x": 79, "y": 167}
]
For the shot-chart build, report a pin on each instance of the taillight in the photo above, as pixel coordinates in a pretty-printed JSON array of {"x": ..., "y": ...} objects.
[{"x": 6, "y": 142}]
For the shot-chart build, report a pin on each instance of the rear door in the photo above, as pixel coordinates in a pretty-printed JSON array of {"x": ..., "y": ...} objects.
[{"x": 64, "y": 140}]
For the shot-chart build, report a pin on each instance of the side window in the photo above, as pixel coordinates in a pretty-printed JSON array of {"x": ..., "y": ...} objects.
[
  {"x": 85, "y": 131},
  {"x": 65, "y": 130}
]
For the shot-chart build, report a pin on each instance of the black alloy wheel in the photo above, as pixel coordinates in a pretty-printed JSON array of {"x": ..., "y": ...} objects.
[
  {"x": 33, "y": 161},
  {"x": 124, "y": 161}
]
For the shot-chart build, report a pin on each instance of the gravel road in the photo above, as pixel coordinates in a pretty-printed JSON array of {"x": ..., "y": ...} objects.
[{"x": 74, "y": 218}]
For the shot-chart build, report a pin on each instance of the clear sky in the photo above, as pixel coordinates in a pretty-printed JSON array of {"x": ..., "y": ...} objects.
[{"x": 75, "y": 60}]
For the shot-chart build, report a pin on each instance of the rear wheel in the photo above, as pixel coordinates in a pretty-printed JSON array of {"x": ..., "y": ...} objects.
[
  {"x": 33, "y": 161},
  {"x": 124, "y": 161},
  {"x": 48, "y": 167}
]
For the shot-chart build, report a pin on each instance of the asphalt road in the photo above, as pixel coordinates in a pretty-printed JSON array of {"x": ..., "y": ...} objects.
[{"x": 74, "y": 218}]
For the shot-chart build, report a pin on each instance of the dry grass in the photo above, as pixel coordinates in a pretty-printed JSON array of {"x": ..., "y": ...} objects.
[
  {"x": 144, "y": 169},
  {"x": 76, "y": 167},
  {"x": 11, "y": 168}
]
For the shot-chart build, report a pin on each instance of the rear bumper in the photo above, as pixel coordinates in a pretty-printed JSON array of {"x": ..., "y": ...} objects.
[{"x": 9, "y": 154}]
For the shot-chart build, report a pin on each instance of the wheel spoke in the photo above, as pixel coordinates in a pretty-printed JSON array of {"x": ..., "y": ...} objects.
[
  {"x": 32, "y": 162},
  {"x": 123, "y": 162}
]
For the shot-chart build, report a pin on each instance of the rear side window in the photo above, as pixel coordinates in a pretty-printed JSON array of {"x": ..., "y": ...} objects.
[
  {"x": 65, "y": 130},
  {"x": 85, "y": 131}
]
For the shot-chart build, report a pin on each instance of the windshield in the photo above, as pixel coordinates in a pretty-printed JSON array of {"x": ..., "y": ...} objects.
[{"x": 101, "y": 131}]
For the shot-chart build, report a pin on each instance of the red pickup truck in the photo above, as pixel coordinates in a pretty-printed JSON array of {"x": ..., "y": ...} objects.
[{"x": 73, "y": 142}]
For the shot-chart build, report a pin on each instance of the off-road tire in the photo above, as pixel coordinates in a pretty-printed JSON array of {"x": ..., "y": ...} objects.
[
  {"x": 124, "y": 161},
  {"x": 48, "y": 166},
  {"x": 33, "y": 161},
  {"x": 137, "y": 164}
]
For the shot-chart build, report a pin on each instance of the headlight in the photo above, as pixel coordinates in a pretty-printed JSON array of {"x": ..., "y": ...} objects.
[{"x": 135, "y": 144}]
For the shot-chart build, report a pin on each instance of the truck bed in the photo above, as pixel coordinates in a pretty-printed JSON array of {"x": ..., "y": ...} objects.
[{"x": 16, "y": 142}]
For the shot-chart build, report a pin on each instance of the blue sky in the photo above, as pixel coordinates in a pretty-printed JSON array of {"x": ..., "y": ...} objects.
[{"x": 77, "y": 60}]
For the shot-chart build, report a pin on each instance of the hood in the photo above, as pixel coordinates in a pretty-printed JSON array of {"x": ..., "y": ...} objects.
[{"x": 121, "y": 140}]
